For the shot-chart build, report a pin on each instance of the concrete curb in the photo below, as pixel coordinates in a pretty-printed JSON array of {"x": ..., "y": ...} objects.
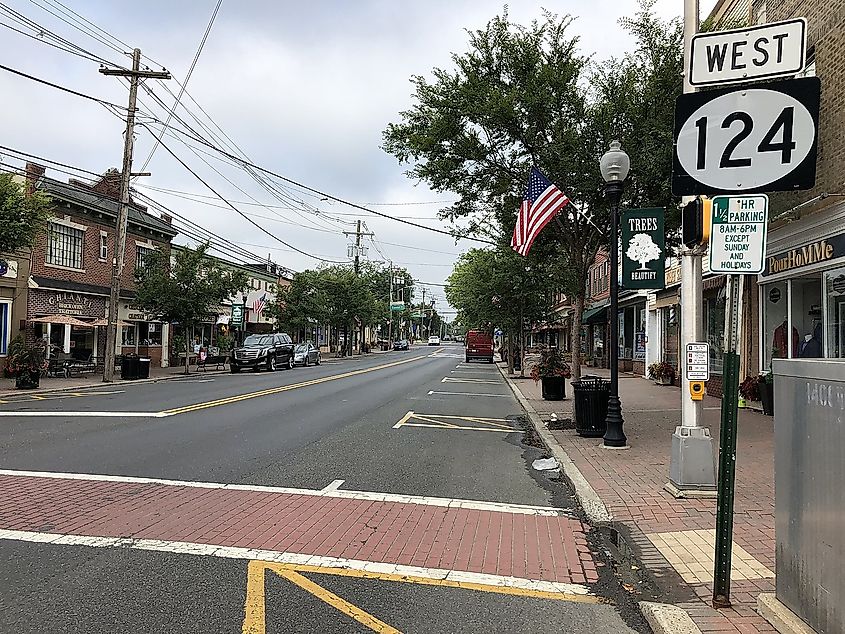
[
  {"x": 100, "y": 384},
  {"x": 590, "y": 501},
  {"x": 781, "y": 617},
  {"x": 667, "y": 619}
]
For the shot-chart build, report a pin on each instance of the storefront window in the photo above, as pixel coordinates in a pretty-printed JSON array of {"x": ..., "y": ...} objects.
[
  {"x": 4, "y": 326},
  {"x": 670, "y": 335},
  {"x": 777, "y": 340},
  {"x": 834, "y": 283},
  {"x": 149, "y": 334},
  {"x": 57, "y": 338},
  {"x": 806, "y": 302},
  {"x": 127, "y": 335},
  {"x": 714, "y": 314},
  {"x": 81, "y": 342},
  {"x": 639, "y": 333}
]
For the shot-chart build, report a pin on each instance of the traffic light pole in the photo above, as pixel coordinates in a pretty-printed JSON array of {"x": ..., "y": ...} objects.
[{"x": 691, "y": 468}]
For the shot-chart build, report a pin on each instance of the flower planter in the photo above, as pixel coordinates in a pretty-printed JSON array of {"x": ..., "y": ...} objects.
[
  {"x": 664, "y": 380},
  {"x": 554, "y": 387},
  {"x": 28, "y": 380},
  {"x": 767, "y": 398}
]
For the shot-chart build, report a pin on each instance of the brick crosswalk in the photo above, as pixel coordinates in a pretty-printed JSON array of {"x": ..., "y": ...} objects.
[{"x": 538, "y": 545}]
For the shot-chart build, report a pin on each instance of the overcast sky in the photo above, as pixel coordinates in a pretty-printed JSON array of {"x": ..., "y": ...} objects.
[{"x": 303, "y": 88}]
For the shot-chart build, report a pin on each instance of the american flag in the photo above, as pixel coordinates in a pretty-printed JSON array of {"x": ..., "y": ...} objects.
[
  {"x": 259, "y": 304},
  {"x": 542, "y": 201}
]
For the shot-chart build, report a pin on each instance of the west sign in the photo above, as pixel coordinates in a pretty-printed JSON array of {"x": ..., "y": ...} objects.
[
  {"x": 743, "y": 55},
  {"x": 643, "y": 249}
]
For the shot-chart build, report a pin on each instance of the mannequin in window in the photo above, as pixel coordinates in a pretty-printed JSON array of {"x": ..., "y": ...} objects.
[
  {"x": 779, "y": 341},
  {"x": 812, "y": 347}
]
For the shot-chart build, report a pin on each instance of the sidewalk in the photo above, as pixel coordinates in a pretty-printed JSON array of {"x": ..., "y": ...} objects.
[
  {"x": 60, "y": 384},
  {"x": 674, "y": 538}
]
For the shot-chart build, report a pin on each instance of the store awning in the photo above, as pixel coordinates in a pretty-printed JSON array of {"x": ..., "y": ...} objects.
[
  {"x": 66, "y": 320},
  {"x": 105, "y": 322},
  {"x": 594, "y": 315},
  {"x": 667, "y": 300}
]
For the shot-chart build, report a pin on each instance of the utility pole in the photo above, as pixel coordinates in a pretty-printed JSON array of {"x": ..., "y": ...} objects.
[
  {"x": 134, "y": 75},
  {"x": 357, "y": 266},
  {"x": 422, "y": 313},
  {"x": 390, "y": 309}
]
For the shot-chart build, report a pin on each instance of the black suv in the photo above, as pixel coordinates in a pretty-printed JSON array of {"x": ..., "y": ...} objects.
[{"x": 269, "y": 351}]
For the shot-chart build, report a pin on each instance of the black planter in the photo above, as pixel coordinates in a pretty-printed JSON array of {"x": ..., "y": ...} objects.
[
  {"x": 767, "y": 397},
  {"x": 554, "y": 388},
  {"x": 28, "y": 380}
]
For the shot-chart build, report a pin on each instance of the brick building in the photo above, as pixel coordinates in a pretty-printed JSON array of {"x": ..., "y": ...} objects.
[{"x": 71, "y": 267}]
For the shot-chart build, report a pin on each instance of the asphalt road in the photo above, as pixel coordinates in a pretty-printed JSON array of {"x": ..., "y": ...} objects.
[{"x": 417, "y": 423}]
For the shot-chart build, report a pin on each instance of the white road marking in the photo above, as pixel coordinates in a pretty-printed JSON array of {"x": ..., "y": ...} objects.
[
  {"x": 235, "y": 552},
  {"x": 485, "y": 372},
  {"x": 430, "y": 392},
  {"x": 452, "y": 379},
  {"x": 404, "y": 420},
  {"x": 37, "y": 414},
  {"x": 334, "y": 486},
  {"x": 502, "y": 507}
]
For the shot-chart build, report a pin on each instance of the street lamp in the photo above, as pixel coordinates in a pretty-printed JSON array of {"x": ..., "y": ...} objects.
[{"x": 614, "y": 167}]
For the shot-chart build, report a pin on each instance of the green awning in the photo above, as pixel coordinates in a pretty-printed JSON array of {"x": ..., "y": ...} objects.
[{"x": 594, "y": 315}]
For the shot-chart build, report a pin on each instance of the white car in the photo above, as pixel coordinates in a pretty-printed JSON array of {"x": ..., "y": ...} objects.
[{"x": 434, "y": 340}]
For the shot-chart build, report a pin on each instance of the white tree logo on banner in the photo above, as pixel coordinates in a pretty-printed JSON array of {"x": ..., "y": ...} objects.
[{"x": 642, "y": 249}]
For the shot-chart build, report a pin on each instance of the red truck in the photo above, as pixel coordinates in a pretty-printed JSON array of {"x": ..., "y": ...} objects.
[{"x": 479, "y": 345}]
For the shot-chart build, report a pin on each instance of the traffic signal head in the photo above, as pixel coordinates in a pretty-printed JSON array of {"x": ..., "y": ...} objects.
[{"x": 695, "y": 219}]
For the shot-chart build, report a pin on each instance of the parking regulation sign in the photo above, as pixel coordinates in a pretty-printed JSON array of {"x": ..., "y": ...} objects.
[
  {"x": 746, "y": 140},
  {"x": 738, "y": 234}
]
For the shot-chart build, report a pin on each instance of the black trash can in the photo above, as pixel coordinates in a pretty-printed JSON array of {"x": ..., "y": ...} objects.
[
  {"x": 591, "y": 396},
  {"x": 144, "y": 367},
  {"x": 129, "y": 367}
]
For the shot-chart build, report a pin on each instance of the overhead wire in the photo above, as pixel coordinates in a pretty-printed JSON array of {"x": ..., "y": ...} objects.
[
  {"x": 103, "y": 102},
  {"x": 183, "y": 85}
]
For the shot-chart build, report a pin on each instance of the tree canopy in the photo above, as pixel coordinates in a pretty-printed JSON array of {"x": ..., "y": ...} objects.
[
  {"x": 189, "y": 289},
  {"x": 22, "y": 217}
]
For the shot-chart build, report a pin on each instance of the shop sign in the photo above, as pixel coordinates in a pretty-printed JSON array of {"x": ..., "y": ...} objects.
[
  {"x": 8, "y": 268},
  {"x": 806, "y": 255},
  {"x": 62, "y": 303},
  {"x": 237, "y": 315},
  {"x": 643, "y": 249},
  {"x": 738, "y": 234},
  {"x": 673, "y": 275}
]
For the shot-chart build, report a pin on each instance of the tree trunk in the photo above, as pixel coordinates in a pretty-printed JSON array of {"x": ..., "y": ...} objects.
[
  {"x": 510, "y": 353},
  {"x": 575, "y": 337},
  {"x": 522, "y": 339},
  {"x": 187, "y": 355}
]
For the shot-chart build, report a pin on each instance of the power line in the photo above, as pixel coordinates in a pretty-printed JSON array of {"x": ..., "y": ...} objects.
[
  {"x": 238, "y": 211},
  {"x": 183, "y": 85},
  {"x": 62, "y": 88}
]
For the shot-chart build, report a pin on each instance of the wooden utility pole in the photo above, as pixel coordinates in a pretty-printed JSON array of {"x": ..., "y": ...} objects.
[
  {"x": 134, "y": 75},
  {"x": 357, "y": 265}
]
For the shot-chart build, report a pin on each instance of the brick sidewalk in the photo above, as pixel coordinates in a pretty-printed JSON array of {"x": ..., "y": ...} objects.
[
  {"x": 674, "y": 537},
  {"x": 523, "y": 542}
]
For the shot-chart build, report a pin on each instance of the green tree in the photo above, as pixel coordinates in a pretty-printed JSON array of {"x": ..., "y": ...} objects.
[
  {"x": 187, "y": 291},
  {"x": 300, "y": 305},
  {"x": 524, "y": 96},
  {"x": 22, "y": 217}
]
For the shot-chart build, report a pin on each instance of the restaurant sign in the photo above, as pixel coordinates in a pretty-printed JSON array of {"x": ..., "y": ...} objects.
[
  {"x": 806, "y": 255},
  {"x": 68, "y": 303}
]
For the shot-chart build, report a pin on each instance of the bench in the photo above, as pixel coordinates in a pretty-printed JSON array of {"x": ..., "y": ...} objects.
[{"x": 216, "y": 361}]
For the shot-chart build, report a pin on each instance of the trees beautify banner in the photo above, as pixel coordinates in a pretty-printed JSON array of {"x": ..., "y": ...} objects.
[{"x": 643, "y": 249}]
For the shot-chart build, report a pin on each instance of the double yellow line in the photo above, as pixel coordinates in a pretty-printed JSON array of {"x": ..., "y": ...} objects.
[{"x": 282, "y": 388}]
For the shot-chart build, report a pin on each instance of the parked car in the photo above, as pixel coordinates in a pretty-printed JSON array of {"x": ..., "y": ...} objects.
[
  {"x": 434, "y": 340},
  {"x": 306, "y": 354},
  {"x": 479, "y": 346},
  {"x": 270, "y": 351},
  {"x": 401, "y": 344}
]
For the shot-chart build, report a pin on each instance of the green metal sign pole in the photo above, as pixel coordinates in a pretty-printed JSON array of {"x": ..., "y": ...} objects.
[{"x": 727, "y": 444}]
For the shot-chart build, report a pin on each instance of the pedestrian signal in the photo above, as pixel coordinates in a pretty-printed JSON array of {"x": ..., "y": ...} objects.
[{"x": 695, "y": 219}]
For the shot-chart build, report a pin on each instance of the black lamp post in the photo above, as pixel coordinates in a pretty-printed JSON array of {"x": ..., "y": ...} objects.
[{"x": 614, "y": 169}]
